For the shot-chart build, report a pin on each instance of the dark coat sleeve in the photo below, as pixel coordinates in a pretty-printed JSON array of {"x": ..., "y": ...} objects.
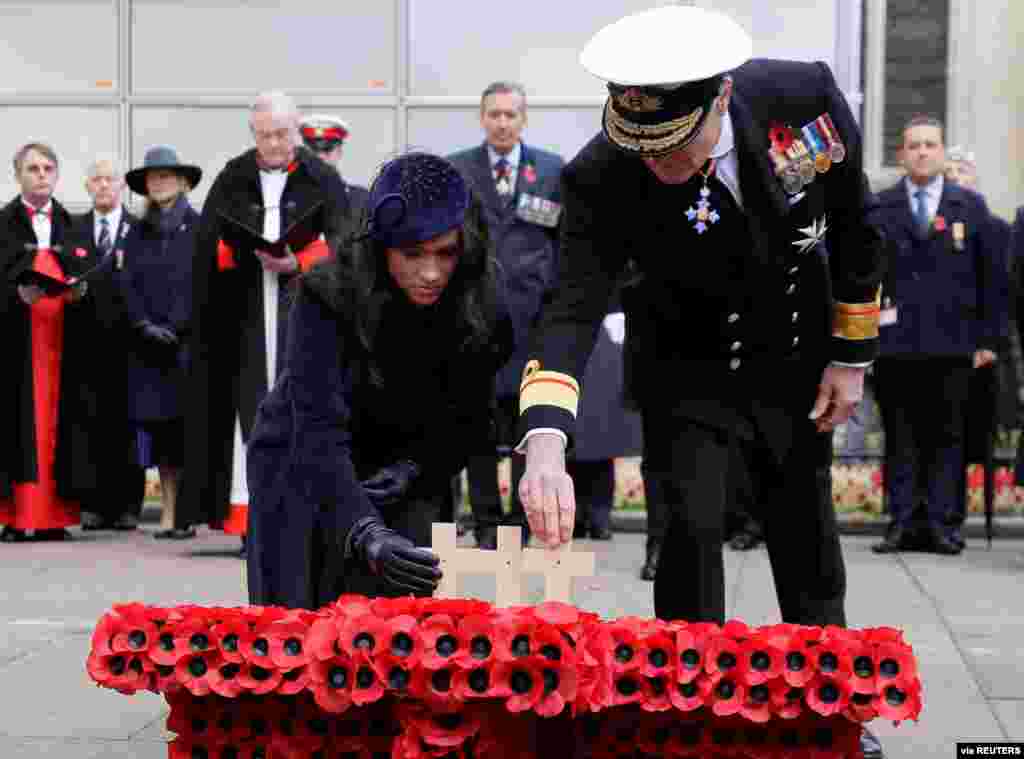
[
  {"x": 993, "y": 281},
  {"x": 1016, "y": 253},
  {"x": 300, "y": 452}
]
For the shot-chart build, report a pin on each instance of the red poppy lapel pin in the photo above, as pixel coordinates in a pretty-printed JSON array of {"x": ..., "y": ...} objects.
[
  {"x": 81, "y": 252},
  {"x": 529, "y": 173},
  {"x": 939, "y": 225}
]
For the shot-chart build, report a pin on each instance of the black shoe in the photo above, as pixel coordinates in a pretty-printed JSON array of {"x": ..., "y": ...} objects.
[
  {"x": 176, "y": 533},
  {"x": 579, "y": 532},
  {"x": 650, "y": 569},
  {"x": 243, "y": 552},
  {"x": 12, "y": 535},
  {"x": 744, "y": 541},
  {"x": 956, "y": 537},
  {"x": 58, "y": 534},
  {"x": 870, "y": 746},
  {"x": 126, "y": 523},
  {"x": 940, "y": 544},
  {"x": 601, "y": 533},
  {"x": 892, "y": 543},
  {"x": 486, "y": 538},
  {"x": 92, "y": 521}
]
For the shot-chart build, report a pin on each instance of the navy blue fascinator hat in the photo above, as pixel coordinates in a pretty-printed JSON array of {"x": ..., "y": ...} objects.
[{"x": 415, "y": 198}]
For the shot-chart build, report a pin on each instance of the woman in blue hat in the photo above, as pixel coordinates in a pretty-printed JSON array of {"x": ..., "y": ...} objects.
[{"x": 391, "y": 355}]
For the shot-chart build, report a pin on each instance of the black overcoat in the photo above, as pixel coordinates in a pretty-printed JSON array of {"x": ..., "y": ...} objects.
[
  {"x": 227, "y": 362},
  {"x": 79, "y": 407},
  {"x": 326, "y": 426},
  {"x": 734, "y": 335}
]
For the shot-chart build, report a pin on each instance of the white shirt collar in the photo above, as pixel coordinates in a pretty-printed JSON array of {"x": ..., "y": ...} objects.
[
  {"x": 933, "y": 190},
  {"x": 47, "y": 207},
  {"x": 726, "y": 140},
  {"x": 512, "y": 156},
  {"x": 113, "y": 217}
]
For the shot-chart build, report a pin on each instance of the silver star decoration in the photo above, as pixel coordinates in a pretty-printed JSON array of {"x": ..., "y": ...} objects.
[{"x": 812, "y": 235}]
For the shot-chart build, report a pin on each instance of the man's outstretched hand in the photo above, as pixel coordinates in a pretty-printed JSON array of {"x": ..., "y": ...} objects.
[
  {"x": 841, "y": 389},
  {"x": 546, "y": 490}
]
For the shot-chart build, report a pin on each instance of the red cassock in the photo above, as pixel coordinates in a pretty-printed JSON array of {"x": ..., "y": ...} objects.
[{"x": 36, "y": 505}]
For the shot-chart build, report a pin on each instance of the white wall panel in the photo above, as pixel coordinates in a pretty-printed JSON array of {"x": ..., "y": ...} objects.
[
  {"x": 59, "y": 47},
  {"x": 560, "y": 130},
  {"x": 802, "y": 30},
  {"x": 77, "y": 133},
  {"x": 191, "y": 46},
  {"x": 459, "y": 47}
]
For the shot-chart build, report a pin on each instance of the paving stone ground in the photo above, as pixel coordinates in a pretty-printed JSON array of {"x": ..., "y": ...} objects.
[{"x": 963, "y": 615}]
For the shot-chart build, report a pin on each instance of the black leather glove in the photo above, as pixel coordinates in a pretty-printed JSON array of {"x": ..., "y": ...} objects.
[
  {"x": 157, "y": 334},
  {"x": 390, "y": 484},
  {"x": 393, "y": 557}
]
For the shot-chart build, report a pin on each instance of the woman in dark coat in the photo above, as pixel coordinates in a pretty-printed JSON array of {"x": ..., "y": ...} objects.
[
  {"x": 156, "y": 285},
  {"x": 392, "y": 350}
]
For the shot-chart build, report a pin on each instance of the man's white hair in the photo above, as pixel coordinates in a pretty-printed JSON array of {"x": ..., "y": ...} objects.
[
  {"x": 101, "y": 160},
  {"x": 276, "y": 103}
]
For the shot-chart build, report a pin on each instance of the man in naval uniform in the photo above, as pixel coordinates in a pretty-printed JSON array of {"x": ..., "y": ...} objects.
[
  {"x": 326, "y": 136},
  {"x": 240, "y": 299},
  {"x": 736, "y": 188}
]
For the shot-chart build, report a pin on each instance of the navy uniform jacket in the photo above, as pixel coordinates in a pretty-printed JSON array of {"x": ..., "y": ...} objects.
[
  {"x": 527, "y": 252},
  {"x": 716, "y": 332},
  {"x": 951, "y": 298}
]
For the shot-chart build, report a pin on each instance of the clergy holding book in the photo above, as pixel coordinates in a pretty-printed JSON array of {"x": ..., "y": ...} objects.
[{"x": 267, "y": 218}]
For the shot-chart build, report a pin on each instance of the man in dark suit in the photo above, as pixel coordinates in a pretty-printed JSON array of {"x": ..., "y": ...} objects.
[
  {"x": 325, "y": 136},
  {"x": 736, "y": 186},
  {"x": 101, "y": 231},
  {"x": 518, "y": 186},
  {"x": 943, "y": 317}
]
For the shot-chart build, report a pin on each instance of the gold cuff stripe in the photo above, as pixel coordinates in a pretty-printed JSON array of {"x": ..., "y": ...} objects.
[
  {"x": 549, "y": 389},
  {"x": 856, "y": 321}
]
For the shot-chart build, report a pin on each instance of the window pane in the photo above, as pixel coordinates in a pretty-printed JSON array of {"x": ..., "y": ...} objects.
[{"x": 916, "y": 57}]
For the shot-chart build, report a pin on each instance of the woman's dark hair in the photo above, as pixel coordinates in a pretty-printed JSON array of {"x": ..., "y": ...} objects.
[{"x": 355, "y": 282}]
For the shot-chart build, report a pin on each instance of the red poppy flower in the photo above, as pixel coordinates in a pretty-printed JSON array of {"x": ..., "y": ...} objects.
[
  {"x": 759, "y": 661},
  {"x": 862, "y": 667},
  {"x": 627, "y": 687},
  {"x": 560, "y": 683},
  {"x": 798, "y": 657},
  {"x": 939, "y": 224},
  {"x": 787, "y": 699},
  {"x": 446, "y": 729},
  {"x": 728, "y": 694},
  {"x": 690, "y": 654},
  {"x": 225, "y": 679},
  {"x": 781, "y": 136},
  {"x": 108, "y": 628},
  {"x": 124, "y": 672},
  {"x": 529, "y": 173},
  {"x": 259, "y": 680},
  {"x": 655, "y": 734},
  {"x": 757, "y": 707},
  {"x": 193, "y": 636},
  {"x": 364, "y": 634},
  {"x": 691, "y": 694},
  {"x": 722, "y": 656},
  {"x": 401, "y": 645},
  {"x": 828, "y": 696},
  {"x": 659, "y": 654},
  {"x": 165, "y": 680},
  {"x": 386, "y": 608},
  {"x": 232, "y": 636},
  {"x": 187, "y": 748},
  {"x": 198, "y": 719},
  {"x": 367, "y": 683},
  {"x": 294, "y": 681},
  {"x": 514, "y": 637},
  {"x": 351, "y": 605},
  {"x": 456, "y": 608},
  {"x": 898, "y": 703},
  {"x": 476, "y": 683},
  {"x": 626, "y": 646},
  {"x": 655, "y": 696},
  {"x": 136, "y": 634},
  {"x": 436, "y": 686},
  {"x": 557, "y": 613},
  {"x": 863, "y": 707},
  {"x": 440, "y": 641},
  {"x": 193, "y": 671},
  {"x": 593, "y": 690},
  {"x": 287, "y": 644},
  {"x": 477, "y": 642},
  {"x": 894, "y": 663},
  {"x": 331, "y": 683},
  {"x": 520, "y": 682},
  {"x": 322, "y": 640}
]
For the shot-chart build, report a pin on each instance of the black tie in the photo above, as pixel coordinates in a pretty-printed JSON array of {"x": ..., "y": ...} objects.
[{"x": 104, "y": 242}]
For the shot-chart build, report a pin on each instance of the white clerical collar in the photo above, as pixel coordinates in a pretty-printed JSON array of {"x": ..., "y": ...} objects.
[{"x": 726, "y": 140}]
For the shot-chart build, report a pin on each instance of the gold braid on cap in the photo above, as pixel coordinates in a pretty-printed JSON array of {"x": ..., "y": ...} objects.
[{"x": 654, "y": 137}]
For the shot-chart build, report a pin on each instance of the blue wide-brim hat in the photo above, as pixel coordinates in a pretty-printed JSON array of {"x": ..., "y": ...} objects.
[
  {"x": 415, "y": 198},
  {"x": 161, "y": 157}
]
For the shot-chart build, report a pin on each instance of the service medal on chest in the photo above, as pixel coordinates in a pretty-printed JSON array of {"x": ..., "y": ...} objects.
[{"x": 703, "y": 215}]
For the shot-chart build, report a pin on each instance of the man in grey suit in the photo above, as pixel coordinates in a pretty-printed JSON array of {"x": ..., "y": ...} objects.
[{"x": 518, "y": 185}]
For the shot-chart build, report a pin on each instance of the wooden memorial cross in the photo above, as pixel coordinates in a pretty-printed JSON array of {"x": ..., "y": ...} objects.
[{"x": 508, "y": 564}]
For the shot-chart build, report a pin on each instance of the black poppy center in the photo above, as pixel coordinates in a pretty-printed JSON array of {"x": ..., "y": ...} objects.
[
  {"x": 441, "y": 680},
  {"x": 402, "y": 644},
  {"x": 480, "y": 647},
  {"x": 337, "y": 677},
  {"x": 863, "y": 666},
  {"x": 261, "y": 646},
  {"x": 230, "y": 643},
  {"x": 118, "y": 665},
  {"x": 230, "y": 671},
  {"x": 550, "y": 680},
  {"x": 658, "y": 658},
  {"x": 690, "y": 658},
  {"x": 795, "y": 661},
  {"x": 364, "y": 640},
  {"x": 197, "y": 667},
  {"x": 398, "y": 678},
  {"x": 199, "y": 725},
  {"x": 627, "y": 686},
  {"x": 726, "y": 661},
  {"x": 318, "y": 726},
  {"x": 166, "y": 641},
  {"x": 136, "y": 666},
  {"x": 229, "y": 752},
  {"x": 479, "y": 680},
  {"x": 862, "y": 699},
  {"x": 623, "y": 653},
  {"x": 199, "y": 642},
  {"x": 551, "y": 652},
  {"x": 137, "y": 639},
  {"x": 828, "y": 662},
  {"x": 660, "y": 736},
  {"x": 828, "y": 693},
  {"x": 760, "y": 661},
  {"x": 521, "y": 682},
  {"x": 448, "y": 721},
  {"x": 259, "y": 674},
  {"x": 726, "y": 689},
  {"x": 760, "y": 694},
  {"x": 823, "y": 738},
  {"x": 291, "y": 675},
  {"x": 789, "y": 738},
  {"x": 198, "y": 752},
  {"x": 293, "y": 646},
  {"x": 688, "y": 690},
  {"x": 889, "y": 668},
  {"x": 723, "y": 737},
  {"x": 794, "y": 694},
  {"x": 689, "y": 735},
  {"x": 657, "y": 685},
  {"x": 164, "y": 670},
  {"x": 364, "y": 677},
  {"x": 446, "y": 645},
  {"x": 521, "y": 646},
  {"x": 894, "y": 696}
]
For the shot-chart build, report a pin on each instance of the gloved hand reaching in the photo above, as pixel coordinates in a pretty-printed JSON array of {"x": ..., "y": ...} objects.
[
  {"x": 157, "y": 334},
  {"x": 393, "y": 557},
  {"x": 390, "y": 484}
]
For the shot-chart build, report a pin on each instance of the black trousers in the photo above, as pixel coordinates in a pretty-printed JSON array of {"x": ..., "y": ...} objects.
[
  {"x": 121, "y": 482},
  {"x": 594, "y": 486},
  {"x": 794, "y": 503},
  {"x": 922, "y": 404},
  {"x": 482, "y": 475}
]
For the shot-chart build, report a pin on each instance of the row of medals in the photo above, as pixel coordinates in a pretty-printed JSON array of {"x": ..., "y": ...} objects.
[{"x": 797, "y": 166}]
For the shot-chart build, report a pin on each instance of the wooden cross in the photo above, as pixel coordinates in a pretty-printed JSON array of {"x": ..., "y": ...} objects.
[{"x": 508, "y": 564}]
